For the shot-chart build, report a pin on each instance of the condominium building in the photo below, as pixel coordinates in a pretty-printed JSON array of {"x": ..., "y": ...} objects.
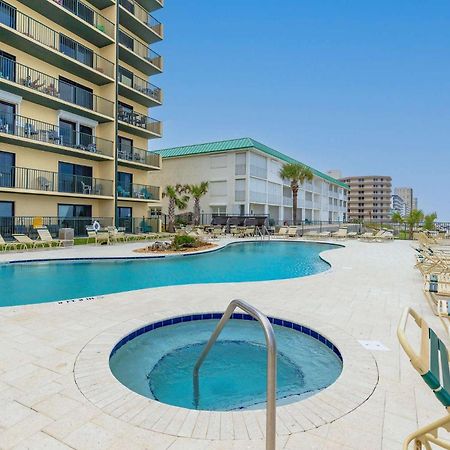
[
  {"x": 406, "y": 193},
  {"x": 243, "y": 177},
  {"x": 398, "y": 205},
  {"x": 369, "y": 197},
  {"x": 74, "y": 111}
]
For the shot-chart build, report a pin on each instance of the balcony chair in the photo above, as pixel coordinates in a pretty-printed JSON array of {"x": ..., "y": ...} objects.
[
  {"x": 87, "y": 188},
  {"x": 30, "y": 130},
  {"x": 55, "y": 137},
  {"x": 43, "y": 184},
  {"x": 433, "y": 366},
  {"x": 121, "y": 192}
]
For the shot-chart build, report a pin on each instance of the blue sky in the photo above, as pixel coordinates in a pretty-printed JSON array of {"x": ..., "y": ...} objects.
[{"x": 359, "y": 85}]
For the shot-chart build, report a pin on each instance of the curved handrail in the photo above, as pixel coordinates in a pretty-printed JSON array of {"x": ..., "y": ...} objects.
[{"x": 271, "y": 362}]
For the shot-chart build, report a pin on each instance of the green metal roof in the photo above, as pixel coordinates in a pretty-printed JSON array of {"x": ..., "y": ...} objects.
[{"x": 237, "y": 144}]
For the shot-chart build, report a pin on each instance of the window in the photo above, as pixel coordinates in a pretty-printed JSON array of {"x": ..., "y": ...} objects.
[
  {"x": 241, "y": 161},
  {"x": 218, "y": 162},
  {"x": 86, "y": 137},
  {"x": 220, "y": 210},
  {"x": 125, "y": 76},
  {"x": 7, "y": 113},
  {"x": 74, "y": 211},
  {"x": 74, "y": 178},
  {"x": 77, "y": 217},
  {"x": 6, "y": 209},
  {"x": 125, "y": 150},
  {"x": 7, "y": 66},
  {"x": 124, "y": 184},
  {"x": 125, "y": 112},
  {"x": 68, "y": 132},
  {"x": 76, "y": 51},
  {"x": 126, "y": 40},
  {"x": 218, "y": 188},
  {"x": 76, "y": 93},
  {"x": 7, "y": 169},
  {"x": 8, "y": 15},
  {"x": 125, "y": 216}
]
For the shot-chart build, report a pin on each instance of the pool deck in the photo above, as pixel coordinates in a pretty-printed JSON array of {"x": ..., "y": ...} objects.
[{"x": 56, "y": 391}]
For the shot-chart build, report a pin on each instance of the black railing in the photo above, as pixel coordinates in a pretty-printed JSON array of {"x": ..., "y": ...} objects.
[
  {"x": 45, "y": 132},
  {"x": 87, "y": 14},
  {"x": 140, "y": 48},
  {"x": 143, "y": 86},
  {"x": 138, "y": 155},
  {"x": 140, "y": 191},
  {"x": 139, "y": 120},
  {"x": 46, "y": 84},
  {"x": 43, "y": 180},
  {"x": 39, "y": 32},
  {"x": 138, "y": 224},
  {"x": 142, "y": 15},
  {"x": 27, "y": 225}
]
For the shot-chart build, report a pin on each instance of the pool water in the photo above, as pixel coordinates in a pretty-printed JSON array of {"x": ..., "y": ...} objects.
[
  {"x": 159, "y": 365},
  {"x": 49, "y": 281}
]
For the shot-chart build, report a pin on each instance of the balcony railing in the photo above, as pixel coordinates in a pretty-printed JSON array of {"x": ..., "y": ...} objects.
[
  {"x": 87, "y": 14},
  {"x": 42, "y": 180},
  {"x": 46, "y": 84},
  {"x": 140, "y": 48},
  {"x": 143, "y": 86},
  {"x": 257, "y": 171},
  {"x": 139, "y": 191},
  {"x": 138, "y": 155},
  {"x": 39, "y": 32},
  {"x": 25, "y": 225},
  {"x": 142, "y": 15},
  {"x": 38, "y": 131},
  {"x": 140, "y": 120}
]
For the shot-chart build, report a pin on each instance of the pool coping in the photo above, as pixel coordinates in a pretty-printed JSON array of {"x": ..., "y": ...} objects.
[{"x": 355, "y": 385}]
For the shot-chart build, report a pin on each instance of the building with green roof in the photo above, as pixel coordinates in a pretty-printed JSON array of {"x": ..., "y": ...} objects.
[{"x": 243, "y": 176}]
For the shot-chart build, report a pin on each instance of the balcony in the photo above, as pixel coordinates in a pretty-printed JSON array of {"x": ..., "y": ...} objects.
[
  {"x": 287, "y": 201},
  {"x": 258, "y": 197},
  {"x": 134, "y": 17},
  {"x": 151, "y": 5},
  {"x": 139, "y": 124},
  {"x": 33, "y": 37},
  {"x": 273, "y": 199},
  {"x": 26, "y": 132},
  {"x": 140, "y": 91},
  {"x": 138, "y": 55},
  {"x": 102, "y": 4},
  {"x": 138, "y": 192},
  {"x": 78, "y": 17},
  {"x": 21, "y": 179},
  {"x": 38, "y": 87},
  {"x": 138, "y": 158},
  {"x": 256, "y": 171}
]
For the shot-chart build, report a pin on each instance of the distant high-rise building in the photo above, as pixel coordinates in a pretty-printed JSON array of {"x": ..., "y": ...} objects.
[
  {"x": 398, "y": 205},
  {"x": 415, "y": 203},
  {"x": 406, "y": 193},
  {"x": 369, "y": 198}
]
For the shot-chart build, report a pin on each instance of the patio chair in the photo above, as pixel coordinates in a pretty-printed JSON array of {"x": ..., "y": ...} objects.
[
  {"x": 341, "y": 233},
  {"x": 367, "y": 236},
  {"x": 217, "y": 232},
  {"x": 45, "y": 236},
  {"x": 433, "y": 366},
  {"x": 292, "y": 231},
  {"x": 116, "y": 236},
  {"x": 352, "y": 234},
  {"x": 249, "y": 231},
  {"x": 87, "y": 188},
  {"x": 281, "y": 233},
  {"x": 28, "y": 242},
  {"x": 11, "y": 245}
]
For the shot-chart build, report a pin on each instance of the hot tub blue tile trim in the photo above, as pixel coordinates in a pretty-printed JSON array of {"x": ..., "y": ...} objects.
[{"x": 235, "y": 316}]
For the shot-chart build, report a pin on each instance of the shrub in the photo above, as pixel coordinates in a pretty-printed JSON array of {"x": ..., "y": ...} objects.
[{"x": 184, "y": 241}]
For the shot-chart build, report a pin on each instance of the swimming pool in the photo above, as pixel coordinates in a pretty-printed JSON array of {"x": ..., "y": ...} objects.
[
  {"x": 48, "y": 281},
  {"x": 159, "y": 363}
]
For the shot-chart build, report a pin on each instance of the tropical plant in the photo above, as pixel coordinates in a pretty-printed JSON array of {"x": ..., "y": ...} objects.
[
  {"x": 428, "y": 221},
  {"x": 412, "y": 220},
  {"x": 397, "y": 217},
  {"x": 297, "y": 174},
  {"x": 197, "y": 191},
  {"x": 177, "y": 199}
]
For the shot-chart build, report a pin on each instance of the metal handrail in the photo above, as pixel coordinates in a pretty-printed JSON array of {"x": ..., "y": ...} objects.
[{"x": 271, "y": 363}]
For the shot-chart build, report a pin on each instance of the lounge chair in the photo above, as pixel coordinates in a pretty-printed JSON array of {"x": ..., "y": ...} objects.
[
  {"x": 324, "y": 234},
  {"x": 234, "y": 231},
  {"x": 217, "y": 232},
  {"x": 292, "y": 231},
  {"x": 11, "y": 245},
  {"x": 367, "y": 236},
  {"x": 100, "y": 237},
  {"x": 311, "y": 235},
  {"x": 352, "y": 234},
  {"x": 433, "y": 366},
  {"x": 341, "y": 233},
  {"x": 30, "y": 243},
  {"x": 249, "y": 231},
  {"x": 281, "y": 233},
  {"x": 116, "y": 236},
  {"x": 45, "y": 236}
]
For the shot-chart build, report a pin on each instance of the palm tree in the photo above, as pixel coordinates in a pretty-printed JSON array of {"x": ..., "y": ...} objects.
[
  {"x": 428, "y": 221},
  {"x": 412, "y": 220},
  {"x": 396, "y": 217},
  {"x": 197, "y": 191},
  {"x": 297, "y": 174},
  {"x": 177, "y": 199}
]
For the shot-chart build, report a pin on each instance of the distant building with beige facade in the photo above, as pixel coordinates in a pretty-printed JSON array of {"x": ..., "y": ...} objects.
[
  {"x": 369, "y": 197},
  {"x": 74, "y": 120},
  {"x": 243, "y": 177}
]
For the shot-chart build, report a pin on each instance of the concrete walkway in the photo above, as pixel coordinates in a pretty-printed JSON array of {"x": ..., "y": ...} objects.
[{"x": 44, "y": 403}]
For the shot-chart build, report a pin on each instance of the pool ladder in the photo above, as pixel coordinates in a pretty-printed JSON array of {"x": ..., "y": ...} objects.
[
  {"x": 271, "y": 363},
  {"x": 262, "y": 232}
]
